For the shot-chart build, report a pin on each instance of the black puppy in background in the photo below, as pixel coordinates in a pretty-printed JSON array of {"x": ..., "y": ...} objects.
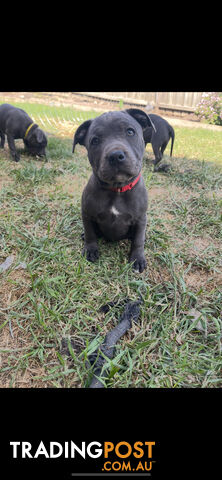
[
  {"x": 159, "y": 139},
  {"x": 16, "y": 123}
]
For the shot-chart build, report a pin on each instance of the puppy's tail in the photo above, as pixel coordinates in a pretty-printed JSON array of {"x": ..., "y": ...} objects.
[
  {"x": 73, "y": 145},
  {"x": 172, "y": 135}
]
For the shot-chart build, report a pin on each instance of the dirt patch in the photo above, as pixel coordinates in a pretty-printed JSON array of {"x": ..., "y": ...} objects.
[
  {"x": 13, "y": 287},
  {"x": 195, "y": 245},
  {"x": 157, "y": 192},
  {"x": 25, "y": 379},
  {"x": 16, "y": 341},
  {"x": 11, "y": 351},
  {"x": 71, "y": 184},
  {"x": 160, "y": 275},
  {"x": 215, "y": 194},
  {"x": 5, "y": 180},
  {"x": 201, "y": 279},
  {"x": 169, "y": 192},
  {"x": 200, "y": 244}
]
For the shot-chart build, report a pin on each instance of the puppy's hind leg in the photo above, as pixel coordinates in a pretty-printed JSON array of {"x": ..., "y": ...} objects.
[
  {"x": 158, "y": 156},
  {"x": 163, "y": 147},
  {"x": 158, "y": 152},
  {"x": 2, "y": 135},
  {"x": 165, "y": 167}
]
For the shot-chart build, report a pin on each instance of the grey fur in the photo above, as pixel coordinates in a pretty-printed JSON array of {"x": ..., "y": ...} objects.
[{"x": 115, "y": 146}]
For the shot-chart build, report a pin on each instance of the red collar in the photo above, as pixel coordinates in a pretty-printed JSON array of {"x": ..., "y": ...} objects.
[{"x": 126, "y": 187}]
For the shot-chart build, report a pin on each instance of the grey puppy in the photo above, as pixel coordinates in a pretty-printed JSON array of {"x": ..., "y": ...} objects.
[
  {"x": 114, "y": 202},
  {"x": 159, "y": 138},
  {"x": 16, "y": 123}
]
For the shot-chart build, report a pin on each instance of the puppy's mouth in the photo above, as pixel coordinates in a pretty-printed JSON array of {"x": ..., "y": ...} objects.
[
  {"x": 118, "y": 174},
  {"x": 118, "y": 178},
  {"x": 35, "y": 153}
]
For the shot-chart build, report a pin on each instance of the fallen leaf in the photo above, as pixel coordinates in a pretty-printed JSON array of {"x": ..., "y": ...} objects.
[
  {"x": 195, "y": 314},
  {"x": 7, "y": 263}
]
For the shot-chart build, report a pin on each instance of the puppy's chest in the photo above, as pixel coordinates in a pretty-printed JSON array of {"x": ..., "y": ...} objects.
[{"x": 114, "y": 213}]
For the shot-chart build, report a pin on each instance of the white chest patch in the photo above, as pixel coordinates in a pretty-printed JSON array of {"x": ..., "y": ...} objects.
[{"x": 114, "y": 210}]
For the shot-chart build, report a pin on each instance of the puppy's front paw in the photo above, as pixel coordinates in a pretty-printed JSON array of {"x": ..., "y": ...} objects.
[
  {"x": 91, "y": 253},
  {"x": 139, "y": 262}
]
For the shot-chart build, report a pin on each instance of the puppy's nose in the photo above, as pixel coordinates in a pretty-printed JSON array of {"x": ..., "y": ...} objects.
[{"x": 117, "y": 156}]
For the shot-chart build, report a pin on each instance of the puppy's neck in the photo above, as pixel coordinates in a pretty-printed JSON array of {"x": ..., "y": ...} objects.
[{"x": 118, "y": 187}]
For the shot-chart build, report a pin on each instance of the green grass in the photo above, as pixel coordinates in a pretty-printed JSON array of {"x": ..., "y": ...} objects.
[
  {"x": 54, "y": 118},
  {"x": 198, "y": 144},
  {"x": 49, "y": 312}
]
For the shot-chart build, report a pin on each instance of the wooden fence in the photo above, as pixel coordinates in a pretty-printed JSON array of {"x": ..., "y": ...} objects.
[
  {"x": 181, "y": 101},
  {"x": 175, "y": 100}
]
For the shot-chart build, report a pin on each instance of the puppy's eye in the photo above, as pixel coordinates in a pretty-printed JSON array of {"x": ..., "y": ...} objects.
[
  {"x": 95, "y": 141},
  {"x": 130, "y": 131}
]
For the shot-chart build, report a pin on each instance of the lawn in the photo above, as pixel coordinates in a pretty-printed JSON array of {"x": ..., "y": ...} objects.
[{"x": 50, "y": 318}]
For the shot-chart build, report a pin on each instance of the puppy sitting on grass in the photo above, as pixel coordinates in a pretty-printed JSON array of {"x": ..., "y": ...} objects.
[{"x": 114, "y": 202}]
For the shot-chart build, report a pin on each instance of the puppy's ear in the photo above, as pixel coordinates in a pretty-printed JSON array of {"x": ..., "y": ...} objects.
[
  {"x": 142, "y": 118},
  {"x": 39, "y": 135},
  {"x": 80, "y": 134}
]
